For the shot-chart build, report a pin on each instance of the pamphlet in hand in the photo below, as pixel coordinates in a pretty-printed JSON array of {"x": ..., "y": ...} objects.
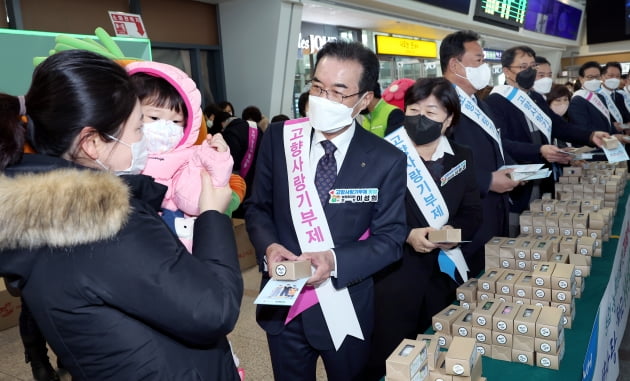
[
  {"x": 524, "y": 172},
  {"x": 616, "y": 154},
  {"x": 579, "y": 153},
  {"x": 280, "y": 292}
]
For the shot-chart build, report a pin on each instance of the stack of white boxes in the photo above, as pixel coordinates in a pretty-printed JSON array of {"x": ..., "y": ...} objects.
[{"x": 531, "y": 334}]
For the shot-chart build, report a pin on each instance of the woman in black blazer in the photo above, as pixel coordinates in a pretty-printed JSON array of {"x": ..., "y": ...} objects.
[{"x": 409, "y": 292}]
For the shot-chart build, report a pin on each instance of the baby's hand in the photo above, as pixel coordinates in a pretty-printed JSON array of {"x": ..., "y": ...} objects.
[{"x": 217, "y": 142}]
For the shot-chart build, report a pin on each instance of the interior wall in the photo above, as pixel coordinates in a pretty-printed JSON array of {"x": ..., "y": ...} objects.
[
  {"x": 170, "y": 21},
  {"x": 601, "y": 58},
  {"x": 180, "y": 21},
  {"x": 3, "y": 16},
  {"x": 70, "y": 16},
  {"x": 259, "y": 41}
]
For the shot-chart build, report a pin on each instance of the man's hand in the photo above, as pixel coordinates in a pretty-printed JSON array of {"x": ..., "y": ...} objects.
[
  {"x": 554, "y": 154},
  {"x": 324, "y": 263},
  {"x": 447, "y": 246},
  {"x": 618, "y": 126},
  {"x": 597, "y": 138},
  {"x": 418, "y": 240},
  {"x": 501, "y": 182},
  {"x": 277, "y": 253},
  {"x": 622, "y": 138}
]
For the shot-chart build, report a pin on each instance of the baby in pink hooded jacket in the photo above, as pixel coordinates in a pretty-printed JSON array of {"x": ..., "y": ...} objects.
[{"x": 172, "y": 116}]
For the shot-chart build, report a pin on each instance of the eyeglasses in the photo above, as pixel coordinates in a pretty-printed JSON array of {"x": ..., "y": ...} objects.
[
  {"x": 332, "y": 95},
  {"x": 525, "y": 66}
]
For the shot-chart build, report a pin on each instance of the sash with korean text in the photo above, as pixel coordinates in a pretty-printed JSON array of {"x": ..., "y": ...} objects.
[
  {"x": 426, "y": 193},
  {"x": 611, "y": 106},
  {"x": 248, "y": 159},
  {"x": 472, "y": 110},
  {"x": 626, "y": 98},
  {"x": 527, "y": 105},
  {"x": 594, "y": 100},
  {"x": 313, "y": 232}
]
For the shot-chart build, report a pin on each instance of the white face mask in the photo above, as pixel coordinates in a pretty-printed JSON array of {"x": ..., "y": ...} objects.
[
  {"x": 592, "y": 85},
  {"x": 209, "y": 123},
  {"x": 479, "y": 77},
  {"x": 560, "y": 109},
  {"x": 162, "y": 135},
  {"x": 139, "y": 157},
  {"x": 543, "y": 85},
  {"x": 612, "y": 83},
  {"x": 328, "y": 116}
]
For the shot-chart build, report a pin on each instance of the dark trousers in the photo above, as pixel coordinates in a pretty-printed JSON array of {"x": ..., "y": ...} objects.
[
  {"x": 405, "y": 302},
  {"x": 294, "y": 359}
]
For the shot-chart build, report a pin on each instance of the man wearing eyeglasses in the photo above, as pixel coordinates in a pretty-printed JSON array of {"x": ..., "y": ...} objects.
[
  {"x": 328, "y": 191},
  {"x": 588, "y": 109},
  {"x": 616, "y": 101},
  {"x": 528, "y": 126}
]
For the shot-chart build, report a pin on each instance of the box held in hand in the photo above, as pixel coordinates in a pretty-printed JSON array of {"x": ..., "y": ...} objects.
[
  {"x": 291, "y": 270},
  {"x": 445, "y": 235}
]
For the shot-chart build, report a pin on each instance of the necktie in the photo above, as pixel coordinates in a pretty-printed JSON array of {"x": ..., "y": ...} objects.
[{"x": 326, "y": 172}]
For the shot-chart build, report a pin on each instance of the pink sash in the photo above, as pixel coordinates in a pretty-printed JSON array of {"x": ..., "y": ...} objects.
[{"x": 248, "y": 159}]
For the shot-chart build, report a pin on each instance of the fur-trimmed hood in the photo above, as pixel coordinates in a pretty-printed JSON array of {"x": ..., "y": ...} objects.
[{"x": 63, "y": 207}]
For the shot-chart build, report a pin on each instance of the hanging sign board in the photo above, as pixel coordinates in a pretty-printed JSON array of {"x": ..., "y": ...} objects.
[{"x": 128, "y": 25}]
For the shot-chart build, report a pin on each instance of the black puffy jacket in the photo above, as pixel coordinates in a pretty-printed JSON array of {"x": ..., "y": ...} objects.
[{"x": 115, "y": 293}]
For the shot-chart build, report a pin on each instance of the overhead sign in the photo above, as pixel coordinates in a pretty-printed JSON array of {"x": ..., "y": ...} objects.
[
  {"x": 128, "y": 24},
  {"x": 398, "y": 46},
  {"x": 492, "y": 54},
  {"x": 505, "y": 13}
]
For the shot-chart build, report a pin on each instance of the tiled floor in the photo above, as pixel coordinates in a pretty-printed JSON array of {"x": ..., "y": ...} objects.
[{"x": 247, "y": 339}]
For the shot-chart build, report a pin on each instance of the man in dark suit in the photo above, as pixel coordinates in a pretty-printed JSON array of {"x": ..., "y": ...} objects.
[
  {"x": 611, "y": 78},
  {"x": 524, "y": 140},
  {"x": 458, "y": 51},
  {"x": 582, "y": 112},
  {"x": 343, "y": 78}
]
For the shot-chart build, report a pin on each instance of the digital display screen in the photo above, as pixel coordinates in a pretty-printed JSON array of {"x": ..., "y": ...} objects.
[
  {"x": 607, "y": 23},
  {"x": 553, "y": 18},
  {"x": 492, "y": 55},
  {"x": 505, "y": 13},
  {"x": 461, "y": 6}
]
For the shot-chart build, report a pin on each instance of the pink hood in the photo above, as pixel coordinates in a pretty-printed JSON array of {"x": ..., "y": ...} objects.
[{"x": 185, "y": 86}]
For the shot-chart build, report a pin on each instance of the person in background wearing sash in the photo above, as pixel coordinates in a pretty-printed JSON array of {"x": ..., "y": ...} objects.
[
  {"x": 587, "y": 109},
  {"x": 355, "y": 236},
  {"x": 243, "y": 136},
  {"x": 409, "y": 292},
  {"x": 528, "y": 126},
  {"x": 618, "y": 105},
  {"x": 462, "y": 61}
]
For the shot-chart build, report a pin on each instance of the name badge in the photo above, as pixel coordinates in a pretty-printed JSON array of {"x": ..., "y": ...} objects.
[
  {"x": 339, "y": 196},
  {"x": 456, "y": 170}
]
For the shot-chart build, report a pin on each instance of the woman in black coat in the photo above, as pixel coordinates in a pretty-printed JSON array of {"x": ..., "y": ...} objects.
[
  {"x": 409, "y": 292},
  {"x": 115, "y": 293}
]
